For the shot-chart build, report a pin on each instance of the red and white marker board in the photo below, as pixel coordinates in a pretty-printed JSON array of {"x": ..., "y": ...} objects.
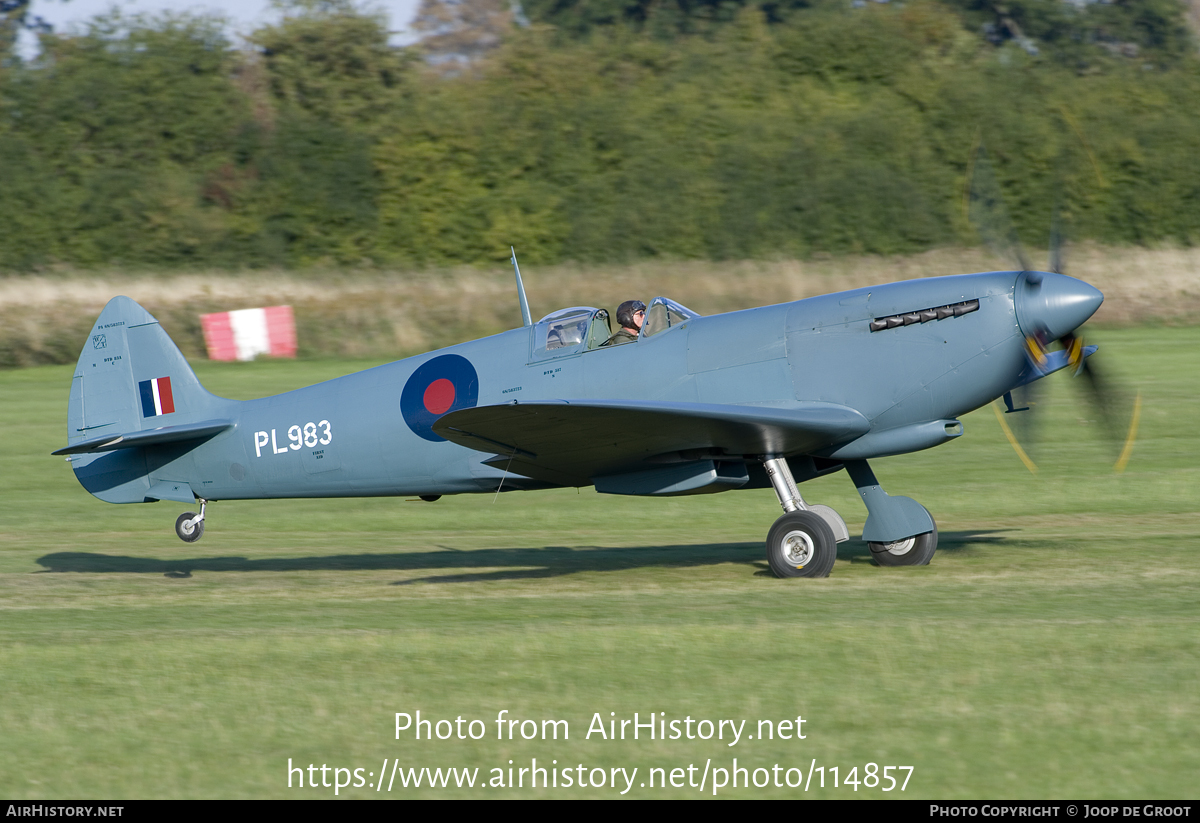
[{"x": 247, "y": 333}]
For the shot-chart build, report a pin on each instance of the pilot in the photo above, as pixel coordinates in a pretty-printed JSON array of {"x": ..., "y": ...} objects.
[{"x": 630, "y": 314}]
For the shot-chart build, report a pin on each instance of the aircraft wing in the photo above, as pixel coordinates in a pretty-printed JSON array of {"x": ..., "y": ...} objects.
[{"x": 570, "y": 443}]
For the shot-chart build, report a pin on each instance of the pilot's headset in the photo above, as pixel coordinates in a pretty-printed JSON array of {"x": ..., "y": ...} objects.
[{"x": 627, "y": 310}]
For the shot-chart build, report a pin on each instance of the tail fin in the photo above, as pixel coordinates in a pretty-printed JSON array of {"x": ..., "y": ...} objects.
[{"x": 130, "y": 378}]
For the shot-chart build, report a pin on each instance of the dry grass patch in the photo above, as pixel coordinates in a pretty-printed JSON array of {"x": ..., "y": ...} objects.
[{"x": 372, "y": 313}]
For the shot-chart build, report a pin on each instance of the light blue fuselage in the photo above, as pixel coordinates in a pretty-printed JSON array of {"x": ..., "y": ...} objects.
[{"x": 815, "y": 349}]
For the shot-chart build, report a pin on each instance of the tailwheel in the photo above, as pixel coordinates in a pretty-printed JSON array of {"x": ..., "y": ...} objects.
[
  {"x": 911, "y": 551},
  {"x": 801, "y": 544}
]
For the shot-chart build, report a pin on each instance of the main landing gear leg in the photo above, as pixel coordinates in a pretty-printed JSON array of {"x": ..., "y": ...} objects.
[
  {"x": 899, "y": 530},
  {"x": 189, "y": 525},
  {"x": 802, "y": 543}
]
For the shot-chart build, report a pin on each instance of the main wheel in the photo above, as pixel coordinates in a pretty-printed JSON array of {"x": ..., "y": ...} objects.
[
  {"x": 911, "y": 551},
  {"x": 188, "y": 532},
  {"x": 801, "y": 544}
]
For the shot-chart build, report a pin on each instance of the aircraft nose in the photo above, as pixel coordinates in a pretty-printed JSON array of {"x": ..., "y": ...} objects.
[{"x": 1054, "y": 303}]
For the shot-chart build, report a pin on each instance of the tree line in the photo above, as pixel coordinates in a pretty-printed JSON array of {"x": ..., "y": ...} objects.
[{"x": 596, "y": 132}]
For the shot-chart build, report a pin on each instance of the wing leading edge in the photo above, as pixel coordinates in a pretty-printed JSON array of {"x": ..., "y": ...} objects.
[{"x": 572, "y": 443}]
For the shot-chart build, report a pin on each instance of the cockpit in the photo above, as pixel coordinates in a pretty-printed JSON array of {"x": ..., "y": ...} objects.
[{"x": 583, "y": 328}]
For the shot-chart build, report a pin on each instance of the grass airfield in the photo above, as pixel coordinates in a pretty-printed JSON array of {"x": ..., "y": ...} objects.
[{"x": 1050, "y": 651}]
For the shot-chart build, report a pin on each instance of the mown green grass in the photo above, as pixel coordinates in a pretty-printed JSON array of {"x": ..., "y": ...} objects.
[{"x": 1050, "y": 650}]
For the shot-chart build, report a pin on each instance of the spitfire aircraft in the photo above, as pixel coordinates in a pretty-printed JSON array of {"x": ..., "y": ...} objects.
[{"x": 767, "y": 397}]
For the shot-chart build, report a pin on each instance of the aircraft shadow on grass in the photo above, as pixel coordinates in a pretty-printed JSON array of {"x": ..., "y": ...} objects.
[{"x": 501, "y": 564}]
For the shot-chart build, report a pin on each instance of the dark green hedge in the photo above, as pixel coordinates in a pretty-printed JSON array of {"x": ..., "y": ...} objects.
[{"x": 152, "y": 142}]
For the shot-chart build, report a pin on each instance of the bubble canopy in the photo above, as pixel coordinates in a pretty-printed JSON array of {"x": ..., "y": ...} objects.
[{"x": 586, "y": 328}]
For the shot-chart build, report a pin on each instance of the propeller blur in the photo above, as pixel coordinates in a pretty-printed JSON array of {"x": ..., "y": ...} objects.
[{"x": 1051, "y": 310}]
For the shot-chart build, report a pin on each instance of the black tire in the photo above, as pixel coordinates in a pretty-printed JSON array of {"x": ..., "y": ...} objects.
[
  {"x": 801, "y": 544},
  {"x": 914, "y": 551},
  {"x": 195, "y": 531}
]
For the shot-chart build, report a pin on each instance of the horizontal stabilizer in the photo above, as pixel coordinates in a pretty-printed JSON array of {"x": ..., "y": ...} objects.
[
  {"x": 572, "y": 443},
  {"x": 149, "y": 437}
]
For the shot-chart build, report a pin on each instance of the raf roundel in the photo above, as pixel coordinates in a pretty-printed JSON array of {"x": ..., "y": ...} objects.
[{"x": 441, "y": 385}]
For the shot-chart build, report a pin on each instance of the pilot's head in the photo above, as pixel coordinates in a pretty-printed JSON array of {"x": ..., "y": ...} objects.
[{"x": 631, "y": 313}]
